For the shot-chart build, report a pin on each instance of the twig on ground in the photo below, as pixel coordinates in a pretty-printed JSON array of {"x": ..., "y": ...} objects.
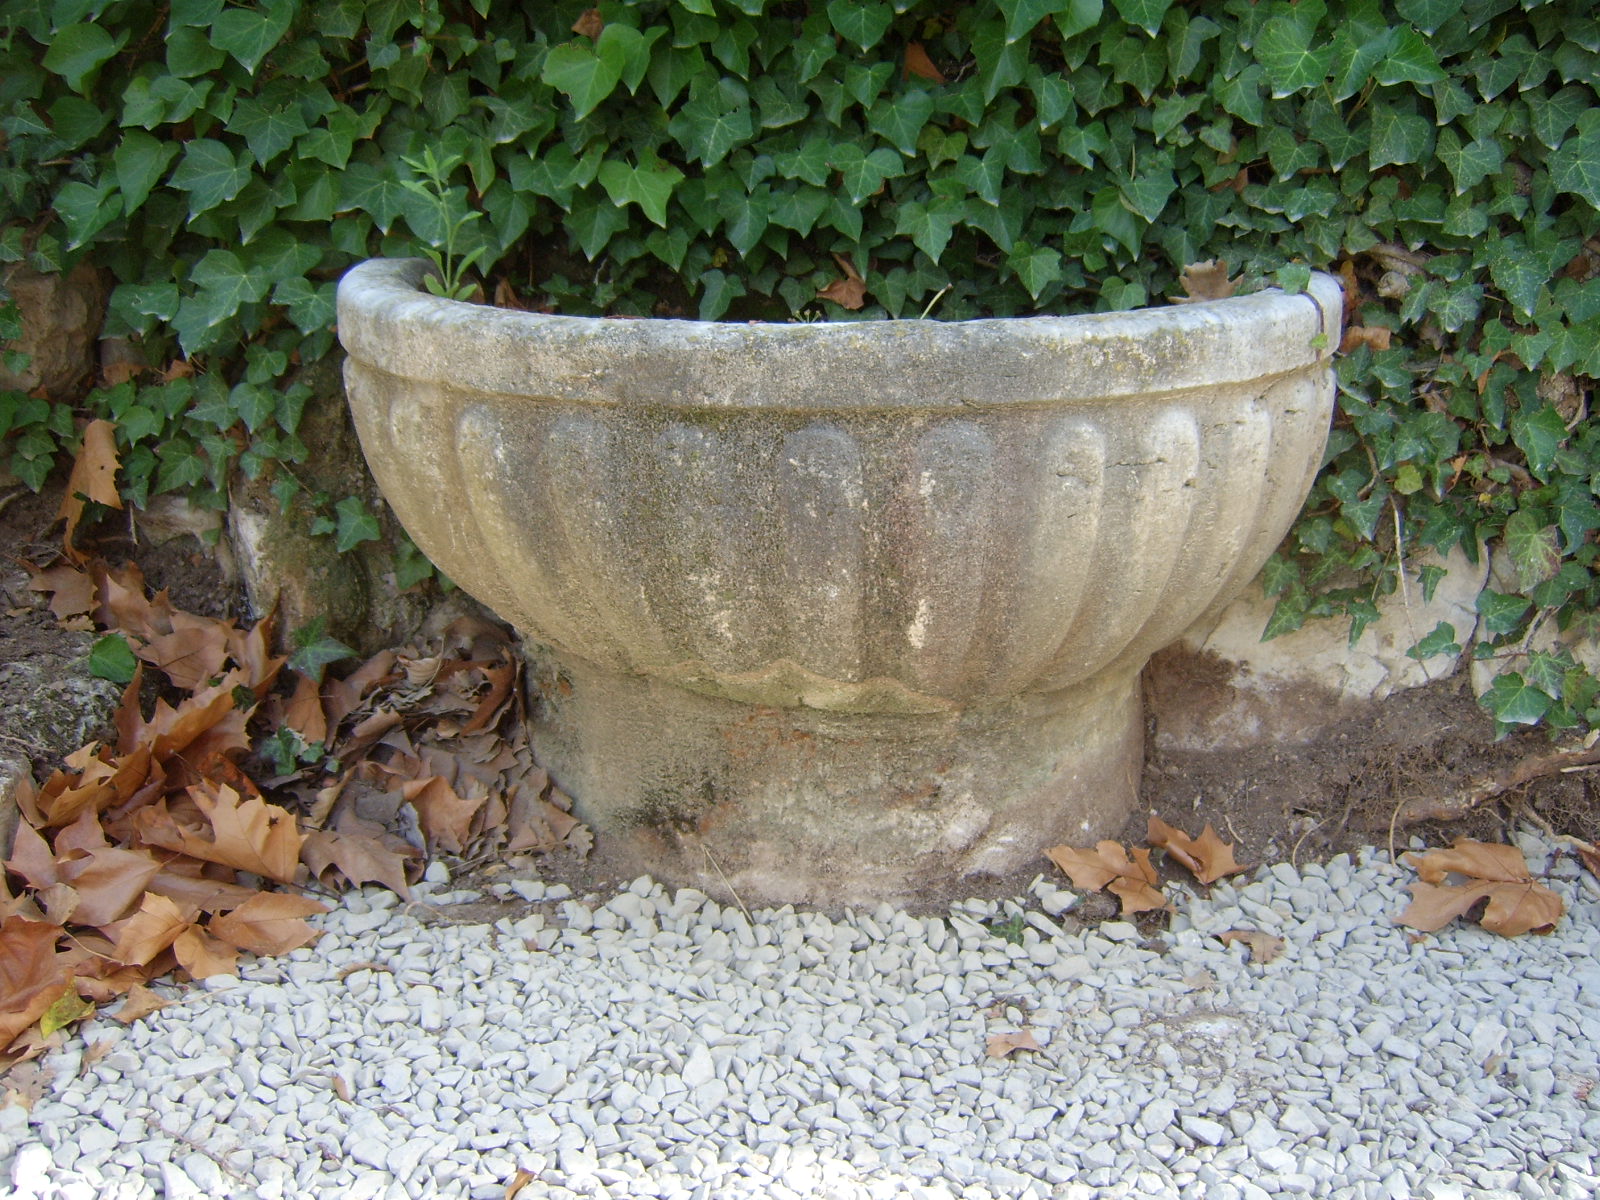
[
  {"x": 1294, "y": 855},
  {"x": 1483, "y": 788},
  {"x": 726, "y": 884}
]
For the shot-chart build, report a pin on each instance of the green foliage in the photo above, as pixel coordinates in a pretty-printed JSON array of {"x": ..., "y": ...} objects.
[
  {"x": 315, "y": 649},
  {"x": 111, "y": 658},
  {"x": 711, "y": 158}
]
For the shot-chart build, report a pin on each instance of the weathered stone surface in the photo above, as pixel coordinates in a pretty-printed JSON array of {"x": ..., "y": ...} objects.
[
  {"x": 1221, "y": 687},
  {"x": 282, "y": 564},
  {"x": 61, "y": 318},
  {"x": 844, "y": 605},
  {"x": 49, "y": 706}
]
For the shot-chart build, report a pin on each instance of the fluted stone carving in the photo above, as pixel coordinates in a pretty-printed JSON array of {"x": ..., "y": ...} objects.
[{"x": 842, "y": 609}]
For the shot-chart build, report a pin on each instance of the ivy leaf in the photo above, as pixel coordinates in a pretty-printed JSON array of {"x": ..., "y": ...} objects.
[
  {"x": 585, "y": 72},
  {"x": 268, "y": 126},
  {"x": 1533, "y": 548},
  {"x": 649, "y": 185},
  {"x": 929, "y": 225},
  {"x": 111, "y": 658},
  {"x": 76, "y": 51},
  {"x": 355, "y": 524},
  {"x": 249, "y": 33},
  {"x": 864, "y": 174},
  {"x": 1075, "y": 16},
  {"x": 315, "y": 649},
  {"x": 1023, "y": 15},
  {"x": 1441, "y": 641},
  {"x": 900, "y": 121},
  {"x": 140, "y": 161},
  {"x": 1146, "y": 14},
  {"x": 714, "y": 121},
  {"x": 863, "y": 22},
  {"x": 1428, "y": 15},
  {"x": 1399, "y": 137},
  {"x": 1284, "y": 49},
  {"x": 1410, "y": 60},
  {"x": 1517, "y": 272},
  {"x": 1501, "y": 611},
  {"x": 1575, "y": 167},
  {"x": 1538, "y": 434},
  {"x": 1037, "y": 267},
  {"x": 1512, "y": 700},
  {"x": 1469, "y": 163},
  {"x": 210, "y": 174},
  {"x": 85, "y": 210}
]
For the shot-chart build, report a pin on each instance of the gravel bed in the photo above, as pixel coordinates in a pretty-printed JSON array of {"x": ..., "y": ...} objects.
[{"x": 660, "y": 1044}]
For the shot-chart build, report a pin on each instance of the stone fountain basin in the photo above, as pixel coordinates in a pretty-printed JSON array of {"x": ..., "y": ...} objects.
[{"x": 841, "y": 611}]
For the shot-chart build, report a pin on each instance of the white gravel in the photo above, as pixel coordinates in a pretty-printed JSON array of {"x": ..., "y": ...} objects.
[{"x": 662, "y": 1045}]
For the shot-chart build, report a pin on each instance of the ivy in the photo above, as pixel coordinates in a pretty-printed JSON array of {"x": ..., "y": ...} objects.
[{"x": 226, "y": 163}]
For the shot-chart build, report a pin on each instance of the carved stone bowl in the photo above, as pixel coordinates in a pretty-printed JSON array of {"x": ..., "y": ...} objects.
[{"x": 823, "y": 613}]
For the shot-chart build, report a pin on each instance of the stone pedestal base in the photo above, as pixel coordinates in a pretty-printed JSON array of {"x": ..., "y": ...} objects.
[{"x": 796, "y": 805}]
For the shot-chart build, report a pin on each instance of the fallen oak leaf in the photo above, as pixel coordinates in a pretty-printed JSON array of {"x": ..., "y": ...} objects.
[
  {"x": 919, "y": 64},
  {"x": 140, "y": 1002},
  {"x": 1134, "y": 881},
  {"x": 360, "y": 859},
  {"x": 849, "y": 292},
  {"x": 1208, "y": 857},
  {"x": 94, "y": 477},
  {"x": 1264, "y": 947},
  {"x": 269, "y": 923},
  {"x": 202, "y": 955},
  {"x": 248, "y": 834},
  {"x": 71, "y": 591},
  {"x": 151, "y": 930},
  {"x": 1517, "y": 903},
  {"x": 33, "y": 974},
  {"x": 445, "y": 815},
  {"x": 1205, "y": 281},
  {"x": 1002, "y": 1044}
]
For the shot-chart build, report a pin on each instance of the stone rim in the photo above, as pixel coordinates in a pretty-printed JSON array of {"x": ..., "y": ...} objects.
[{"x": 388, "y": 321}]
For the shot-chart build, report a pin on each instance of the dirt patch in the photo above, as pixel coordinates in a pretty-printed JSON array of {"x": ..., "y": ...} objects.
[{"x": 1305, "y": 800}]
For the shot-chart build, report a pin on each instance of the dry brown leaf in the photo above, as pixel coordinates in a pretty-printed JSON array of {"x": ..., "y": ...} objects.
[
  {"x": 919, "y": 64},
  {"x": 1206, "y": 281},
  {"x": 109, "y": 881},
  {"x": 1517, "y": 903},
  {"x": 189, "y": 889},
  {"x": 849, "y": 292},
  {"x": 268, "y": 923},
  {"x": 1376, "y": 336},
  {"x": 32, "y": 858},
  {"x": 151, "y": 930},
  {"x": 192, "y": 654},
  {"x": 589, "y": 24},
  {"x": 1002, "y": 1044},
  {"x": 359, "y": 858},
  {"x": 1134, "y": 881},
  {"x": 1264, "y": 947},
  {"x": 94, "y": 477},
  {"x": 141, "y": 1002},
  {"x": 517, "y": 1182},
  {"x": 26, "y": 1084},
  {"x": 445, "y": 815},
  {"x": 71, "y": 591},
  {"x": 247, "y": 833},
  {"x": 33, "y": 975},
  {"x": 202, "y": 955},
  {"x": 1208, "y": 857},
  {"x": 304, "y": 712}
]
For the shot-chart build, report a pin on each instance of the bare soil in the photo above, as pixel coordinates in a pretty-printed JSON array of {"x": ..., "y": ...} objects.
[{"x": 1301, "y": 803}]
